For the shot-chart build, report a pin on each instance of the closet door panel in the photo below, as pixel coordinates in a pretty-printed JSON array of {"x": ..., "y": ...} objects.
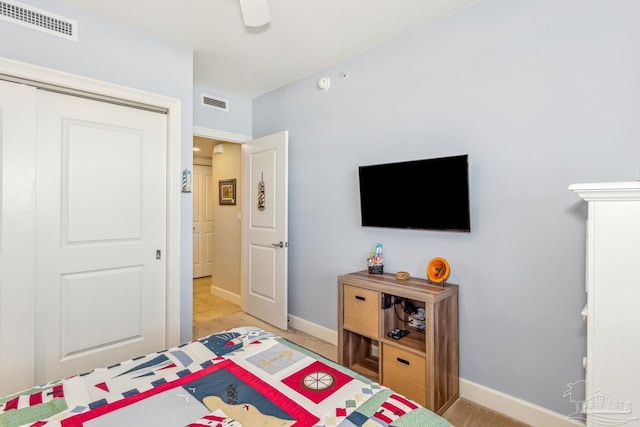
[
  {"x": 90, "y": 153},
  {"x": 100, "y": 234},
  {"x": 17, "y": 210}
]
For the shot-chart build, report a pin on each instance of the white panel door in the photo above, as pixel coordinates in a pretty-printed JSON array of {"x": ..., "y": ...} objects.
[
  {"x": 265, "y": 229},
  {"x": 17, "y": 215},
  {"x": 100, "y": 234},
  {"x": 202, "y": 221}
]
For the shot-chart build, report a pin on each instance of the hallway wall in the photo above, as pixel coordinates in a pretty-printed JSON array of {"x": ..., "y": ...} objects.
[{"x": 227, "y": 225}]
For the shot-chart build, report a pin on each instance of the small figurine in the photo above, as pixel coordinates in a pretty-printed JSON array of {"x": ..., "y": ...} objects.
[{"x": 375, "y": 261}]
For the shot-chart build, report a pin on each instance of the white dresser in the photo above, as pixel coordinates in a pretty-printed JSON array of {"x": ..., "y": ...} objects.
[{"x": 613, "y": 302}]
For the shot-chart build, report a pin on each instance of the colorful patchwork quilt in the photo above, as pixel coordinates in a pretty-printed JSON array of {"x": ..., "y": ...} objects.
[{"x": 240, "y": 377}]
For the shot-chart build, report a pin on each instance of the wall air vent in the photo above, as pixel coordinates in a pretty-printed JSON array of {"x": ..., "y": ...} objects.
[
  {"x": 213, "y": 102},
  {"x": 38, "y": 19}
]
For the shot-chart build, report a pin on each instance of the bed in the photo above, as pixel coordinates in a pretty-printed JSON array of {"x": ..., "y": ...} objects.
[{"x": 244, "y": 376}]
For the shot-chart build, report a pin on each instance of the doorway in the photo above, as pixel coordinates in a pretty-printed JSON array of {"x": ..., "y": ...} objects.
[
  {"x": 262, "y": 228},
  {"x": 217, "y": 230}
]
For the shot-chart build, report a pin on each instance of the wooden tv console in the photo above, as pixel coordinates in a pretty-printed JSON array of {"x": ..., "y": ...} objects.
[{"x": 422, "y": 365}]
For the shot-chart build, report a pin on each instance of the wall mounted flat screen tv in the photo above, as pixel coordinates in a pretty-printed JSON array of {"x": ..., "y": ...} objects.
[{"x": 429, "y": 194}]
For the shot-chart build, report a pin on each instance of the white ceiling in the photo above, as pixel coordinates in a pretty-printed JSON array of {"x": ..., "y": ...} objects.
[{"x": 303, "y": 37}]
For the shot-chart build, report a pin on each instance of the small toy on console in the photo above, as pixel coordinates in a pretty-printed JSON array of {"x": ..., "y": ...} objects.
[{"x": 375, "y": 261}]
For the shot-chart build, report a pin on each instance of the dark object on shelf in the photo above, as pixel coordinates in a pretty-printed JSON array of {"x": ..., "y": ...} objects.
[
  {"x": 376, "y": 269},
  {"x": 386, "y": 301},
  {"x": 409, "y": 306},
  {"x": 398, "y": 333}
]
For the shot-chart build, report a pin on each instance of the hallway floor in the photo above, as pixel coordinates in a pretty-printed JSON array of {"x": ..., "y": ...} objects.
[{"x": 207, "y": 307}]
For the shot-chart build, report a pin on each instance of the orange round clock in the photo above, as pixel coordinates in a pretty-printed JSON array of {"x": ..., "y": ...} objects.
[{"x": 438, "y": 270}]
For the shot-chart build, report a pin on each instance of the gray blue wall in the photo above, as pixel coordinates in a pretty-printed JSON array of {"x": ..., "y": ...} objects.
[
  {"x": 236, "y": 120},
  {"x": 116, "y": 54},
  {"x": 540, "y": 94}
]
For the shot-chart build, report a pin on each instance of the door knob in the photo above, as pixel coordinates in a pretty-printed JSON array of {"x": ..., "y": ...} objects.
[{"x": 278, "y": 245}]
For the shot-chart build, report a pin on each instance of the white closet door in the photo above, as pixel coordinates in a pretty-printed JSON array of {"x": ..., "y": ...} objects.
[
  {"x": 202, "y": 221},
  {"x": 17, "y": 210},
  {"x": 100, "y": 227}
]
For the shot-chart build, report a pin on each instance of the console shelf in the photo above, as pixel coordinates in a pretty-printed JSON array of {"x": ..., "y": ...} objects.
[{"x": 423, "y": 365}]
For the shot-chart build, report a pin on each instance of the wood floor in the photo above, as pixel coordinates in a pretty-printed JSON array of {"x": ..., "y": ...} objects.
[{"x": 212, "y": 314}]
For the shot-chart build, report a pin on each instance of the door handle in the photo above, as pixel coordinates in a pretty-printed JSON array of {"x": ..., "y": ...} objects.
[{"x": 279, "y": 245}]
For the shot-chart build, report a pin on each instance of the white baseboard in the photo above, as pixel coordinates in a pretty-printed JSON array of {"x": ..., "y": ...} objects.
[
  {"x": 226, "y": 295},
  {"x": 313, "y": 329},
  {"x": 514, "y": 407}
]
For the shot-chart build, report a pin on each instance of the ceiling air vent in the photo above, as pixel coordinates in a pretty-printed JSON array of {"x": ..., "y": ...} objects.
[
  {"x": 213, "y": 102},
  {"x": 38, "y": 19}
]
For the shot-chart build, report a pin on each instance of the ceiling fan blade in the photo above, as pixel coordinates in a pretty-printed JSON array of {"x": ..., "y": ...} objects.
[{"x": 255, "y": 13}]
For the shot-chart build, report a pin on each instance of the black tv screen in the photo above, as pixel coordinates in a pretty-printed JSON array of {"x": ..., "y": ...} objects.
[{"x": 429, "y": 194}]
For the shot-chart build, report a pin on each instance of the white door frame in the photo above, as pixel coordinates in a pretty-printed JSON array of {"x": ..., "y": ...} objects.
[
  {"x": 87, "y": 85},
  {"x": 221, "y": 135}
]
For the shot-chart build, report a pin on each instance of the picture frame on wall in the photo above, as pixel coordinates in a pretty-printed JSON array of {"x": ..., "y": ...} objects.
[{"x": 227, "y": 192}]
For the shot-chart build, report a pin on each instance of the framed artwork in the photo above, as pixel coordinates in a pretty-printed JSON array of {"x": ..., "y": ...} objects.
[{"x": 227, "y": 192}]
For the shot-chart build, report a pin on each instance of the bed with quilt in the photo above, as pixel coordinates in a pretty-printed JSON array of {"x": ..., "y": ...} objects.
[{"x": 240, "y": 377}]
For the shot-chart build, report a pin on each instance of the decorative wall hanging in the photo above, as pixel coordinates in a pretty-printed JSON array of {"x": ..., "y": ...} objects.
[
  {"x": 261, "y": 193},
  {"x": 186, "y": 181},
  {"x": 227, "y": 192}
]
